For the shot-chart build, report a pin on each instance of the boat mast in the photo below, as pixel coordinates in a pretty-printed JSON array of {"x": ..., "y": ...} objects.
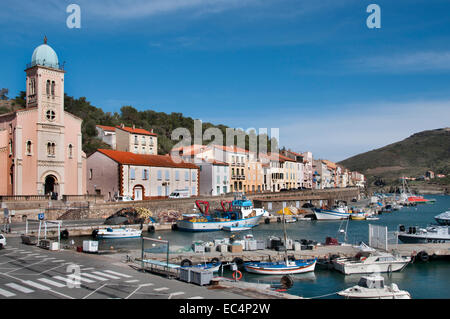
[{"x": 285, "y": 238}]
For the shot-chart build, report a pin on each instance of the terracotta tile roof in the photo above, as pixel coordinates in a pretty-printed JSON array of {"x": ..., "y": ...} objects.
[
  {"x": 128, "y": 158},
  {"x": 139, "y": 131},
  {"x": 107, "y": 128},
  {"x": 329, "y": 164},
  {"x": 231, "y": 149}
]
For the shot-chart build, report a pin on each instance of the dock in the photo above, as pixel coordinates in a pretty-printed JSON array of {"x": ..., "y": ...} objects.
[{"x": 322, "y": 252}]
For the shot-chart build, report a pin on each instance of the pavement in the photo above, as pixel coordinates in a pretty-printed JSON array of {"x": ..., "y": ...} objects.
[{"x": 30, "y": 272}]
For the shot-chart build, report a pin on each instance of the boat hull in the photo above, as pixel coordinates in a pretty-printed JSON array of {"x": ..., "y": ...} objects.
[
  {"x": 417, "y": 239},
  {"x": 262, "y": 268},
  {"x": 323, "y": 214},
  {"x": 361, "y": 268},
  {"x": 119, "y": 235},
  {"x": 186, "y": 225},
  {"x": 382, "y": 295}
]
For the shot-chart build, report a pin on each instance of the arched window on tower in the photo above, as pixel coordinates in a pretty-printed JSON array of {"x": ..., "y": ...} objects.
[
  {"x": 47, "y": 89},
  {"x": 70, "y": 151},
  {"x": 29, "y": 148},
  {"x": 53, "y": 88}
]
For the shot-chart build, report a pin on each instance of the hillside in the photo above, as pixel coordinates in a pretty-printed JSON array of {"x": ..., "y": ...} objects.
[
  {"x": 413, "y": 156},
  {"x": 162, "y": 123}
]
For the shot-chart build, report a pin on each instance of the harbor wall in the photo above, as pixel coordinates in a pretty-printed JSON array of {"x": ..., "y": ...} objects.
[{"x": 101, "y": 210}]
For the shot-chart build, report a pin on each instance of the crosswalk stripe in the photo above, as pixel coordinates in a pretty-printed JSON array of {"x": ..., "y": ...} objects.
[
  {"x": 161, "y": 289},
  {"x": 105, "y": 275},
  {"x": 95, "y": 277},
  {"x": 58, "y": 261},
  {"x": 85, "y": 269},
  {"x": 25, "y": 252},
  {"x": 6, "y": 293},
  {"x": 51, "y": 282},
  {"x": 131, "y": 281},
  {"x": 36, "y": 285},
  {"x": 40, "y": 256},
  {"x": 197, "y": 297},
  {"x": 80, "y": 278},
  {"x": 19, "y": 288},
  {"x": 118, "y": 274}
]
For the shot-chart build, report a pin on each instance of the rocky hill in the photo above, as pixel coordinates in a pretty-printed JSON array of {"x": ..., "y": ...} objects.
[{"x": 413, "y": 156}]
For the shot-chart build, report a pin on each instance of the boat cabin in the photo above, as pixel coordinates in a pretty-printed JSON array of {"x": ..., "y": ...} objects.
[{"x": 371, "y": 282}]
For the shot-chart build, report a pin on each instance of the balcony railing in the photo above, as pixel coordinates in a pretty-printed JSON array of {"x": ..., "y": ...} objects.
[{"x": 46, "y": 64}]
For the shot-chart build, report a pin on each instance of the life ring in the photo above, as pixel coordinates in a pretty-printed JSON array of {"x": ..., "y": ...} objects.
[{"x": 239, "y": 275}]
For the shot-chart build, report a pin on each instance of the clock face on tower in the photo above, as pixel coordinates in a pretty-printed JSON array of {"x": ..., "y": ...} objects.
[{"x": 50, "y": 115}]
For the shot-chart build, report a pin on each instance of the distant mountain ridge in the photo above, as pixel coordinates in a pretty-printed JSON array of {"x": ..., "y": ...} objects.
[{"x": 413, "y": 156}]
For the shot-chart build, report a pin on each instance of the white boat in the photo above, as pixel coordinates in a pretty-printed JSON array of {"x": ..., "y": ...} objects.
[
  {"x": 367, "y": 263},
  {"x": 111, "y": 233},
  {"x": 336, "y": 213},
  {"x": 372, "y": 218},
  {"x": 443, "y": 218},
  {"x": 372, "y": 287},
  {"x": 430, "y": 234},
  {"x": 235, "y": 228}
]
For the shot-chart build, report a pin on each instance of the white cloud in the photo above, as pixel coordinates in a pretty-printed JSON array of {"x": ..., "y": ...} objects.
[{"x": 405, "y": 62}]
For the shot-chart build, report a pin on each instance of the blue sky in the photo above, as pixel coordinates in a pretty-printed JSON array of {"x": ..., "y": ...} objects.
[{"x": 310, "y": 68}]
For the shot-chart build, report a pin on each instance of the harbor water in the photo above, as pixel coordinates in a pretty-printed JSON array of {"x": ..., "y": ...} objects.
[{"x": 422, "y": 280}]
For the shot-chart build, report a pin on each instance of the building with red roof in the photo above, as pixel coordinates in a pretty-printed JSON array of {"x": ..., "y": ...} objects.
[{"x": 113, "y": 173}]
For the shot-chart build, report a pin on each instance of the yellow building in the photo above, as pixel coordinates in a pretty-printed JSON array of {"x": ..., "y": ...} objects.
[{"x": 136, "y": 140}]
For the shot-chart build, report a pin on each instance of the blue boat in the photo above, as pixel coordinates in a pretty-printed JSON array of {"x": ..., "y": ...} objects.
[{"x": 281, "y": 267}]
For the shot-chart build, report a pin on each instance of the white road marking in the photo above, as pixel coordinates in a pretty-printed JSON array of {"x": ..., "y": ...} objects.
[
  {"x": 80, "y": 278},
  {"x": 196, "y": 297},
  {"x": 94, "y": 276},
  {"x": 131, "y": 281},
  {"x": 118, "y": 274},
  {"x": 161, "y": 289},
  {"x": 90, "y": 268},
  {"x": 19, "y": 288},
  {"x": 35, "y": 285},
  {"x": 6, "y": 293},
  {"x": 176, "y": 294},
  {"x": 51, "y": 282},
  {"x": 105, "y": 275},
  {"x": 58, "y": 261},
  {"x": 40, "y": 256}
]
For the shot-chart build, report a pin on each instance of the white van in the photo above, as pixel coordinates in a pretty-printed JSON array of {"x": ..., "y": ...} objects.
[
  {"x": 179, "y": 193},
  {"x": 2, "y": 241}
]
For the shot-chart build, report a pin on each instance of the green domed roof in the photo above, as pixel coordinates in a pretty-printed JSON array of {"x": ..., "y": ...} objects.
[{"x": 44, "y": 55}]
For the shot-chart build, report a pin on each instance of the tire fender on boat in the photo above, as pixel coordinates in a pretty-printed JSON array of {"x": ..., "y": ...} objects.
[
  {"x": 94, "y": 233},
  {"x": 64, "y": 234},
  {"x": 186, "y": 262},
  {"x": 239, "y": 262},
  {"x": 215, "y": 261},
  {"x": 151, "y": 229},
  {"x": 423, "y": 256}
]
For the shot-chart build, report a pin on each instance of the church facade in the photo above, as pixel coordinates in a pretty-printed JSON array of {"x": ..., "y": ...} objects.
[{"x": 40, "y": 145}]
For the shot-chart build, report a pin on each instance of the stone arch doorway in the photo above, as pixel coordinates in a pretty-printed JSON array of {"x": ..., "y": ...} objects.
[
  {"x": 138, "y": 191},
  {"x": 50, "y": 184}
]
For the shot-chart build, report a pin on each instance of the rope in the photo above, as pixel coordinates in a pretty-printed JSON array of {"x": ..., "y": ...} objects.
[{"x": 323, "y": 295}]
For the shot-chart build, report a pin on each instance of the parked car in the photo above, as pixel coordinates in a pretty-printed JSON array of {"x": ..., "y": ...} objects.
[
  {"x": 2, "y": 241},
  {"x": 283, "y": 190},
  {"x": 124, "y": 199}
]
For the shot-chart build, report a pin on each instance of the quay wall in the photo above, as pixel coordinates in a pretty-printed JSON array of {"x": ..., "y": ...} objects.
[{"x": 100, "y": 210}]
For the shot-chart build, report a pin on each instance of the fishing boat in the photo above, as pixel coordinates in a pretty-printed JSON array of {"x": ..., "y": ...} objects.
[
  {"x": 430, "y": 234},
  {"x": 237, "y": 213},
  {"x": 283, "y": 267},
  {"x": 110, "y": 233},
  {"x": 372, "y": 287},
  {"x": 214, "y": 267},
  {"x": 443, "y": 218},
  {"x": 370, "y": 262},
  {"x": 407, "y": 198},
  {"x": 335, "y": 213}
]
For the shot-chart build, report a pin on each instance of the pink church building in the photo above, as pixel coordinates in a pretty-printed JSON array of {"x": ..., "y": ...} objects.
[{"x": 40, "y": 145}]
